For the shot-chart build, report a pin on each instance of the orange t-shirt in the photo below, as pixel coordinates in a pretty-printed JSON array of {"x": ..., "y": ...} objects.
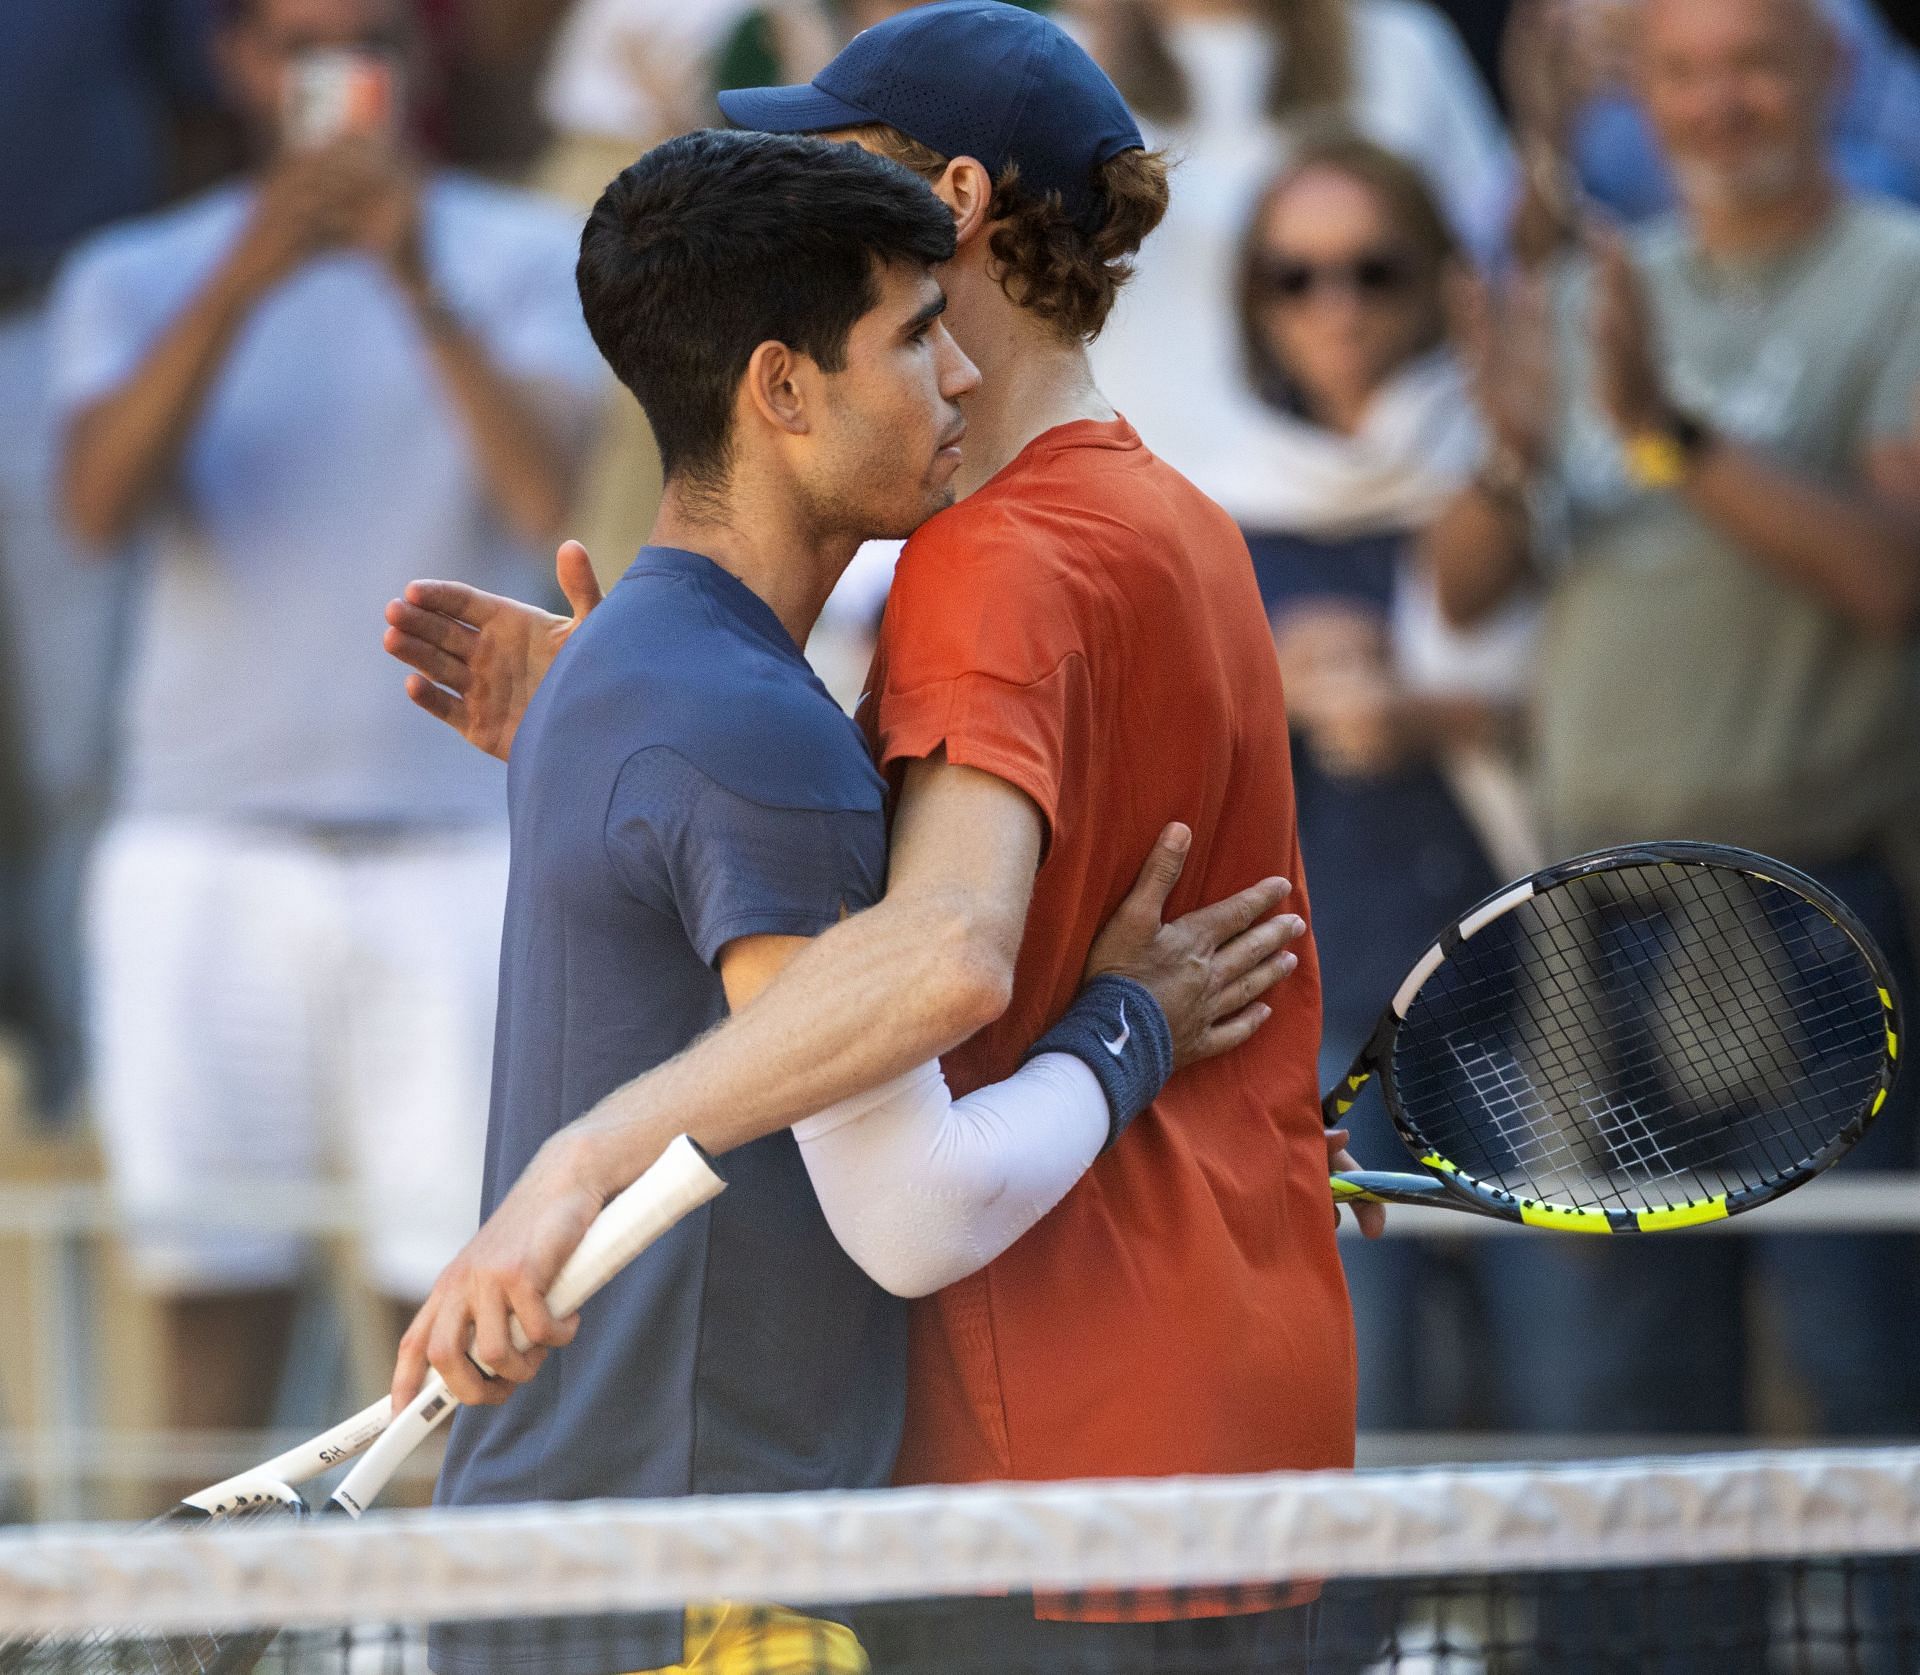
[{"x": 1086, "y": 626}]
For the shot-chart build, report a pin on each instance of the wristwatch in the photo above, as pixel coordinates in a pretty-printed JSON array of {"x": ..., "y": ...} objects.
[{"x": 1661, "y": 457}]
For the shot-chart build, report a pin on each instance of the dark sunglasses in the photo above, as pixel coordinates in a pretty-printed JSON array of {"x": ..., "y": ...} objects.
[{"x": 1375, "y": 275}]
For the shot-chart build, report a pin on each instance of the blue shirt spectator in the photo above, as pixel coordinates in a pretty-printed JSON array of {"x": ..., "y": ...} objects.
[{"x": 330, "y": 461}]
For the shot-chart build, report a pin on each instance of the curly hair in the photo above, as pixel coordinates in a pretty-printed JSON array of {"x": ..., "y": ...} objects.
[{"x": 1048, "y": 264}]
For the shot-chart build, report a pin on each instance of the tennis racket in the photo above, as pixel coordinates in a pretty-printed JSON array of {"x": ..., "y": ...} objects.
[
  {"x": 682, "y": 1179},
  {"x": 1641, "y": 1039}
]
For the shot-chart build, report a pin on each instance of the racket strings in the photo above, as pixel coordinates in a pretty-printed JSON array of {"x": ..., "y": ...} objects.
[
  {"x": 130, "y": 1652},
  {"x": 1648, "y": 1036}
]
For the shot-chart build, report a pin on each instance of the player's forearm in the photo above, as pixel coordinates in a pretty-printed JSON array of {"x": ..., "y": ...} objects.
[
  {"x": 922, "y": 1189},
  {"x": 120, "y": 451},
  {"x": 1860, "y": 559},
  {"x": 1477, "y": 548},
  {"x": 874, "y": 996}
]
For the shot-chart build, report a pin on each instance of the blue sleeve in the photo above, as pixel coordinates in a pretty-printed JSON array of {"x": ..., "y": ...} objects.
[
  {"x": 730, "y": 867},
  {"x": 100, "y": 327}
]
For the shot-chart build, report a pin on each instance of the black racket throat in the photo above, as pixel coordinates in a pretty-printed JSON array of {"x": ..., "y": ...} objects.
[{"x": 1643, "y": 1038}]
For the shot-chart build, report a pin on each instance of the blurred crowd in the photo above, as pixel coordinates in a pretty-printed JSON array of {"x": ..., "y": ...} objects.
[{"x": 1560, "y": 359}]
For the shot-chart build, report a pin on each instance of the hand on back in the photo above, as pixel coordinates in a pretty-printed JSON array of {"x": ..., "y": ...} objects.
[
  {"x": 1207, "y": 969},
  {"x": 479, "y": 657}
]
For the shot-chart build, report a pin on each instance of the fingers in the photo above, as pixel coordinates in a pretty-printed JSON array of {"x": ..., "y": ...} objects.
[
  {"x": 1230, "y": 1032},
  {"x": 456, "y": 600},
  {"x": 410, "y": 1368},
  {"x": 1227, "y": 919},
  {"x": 493, "y": 1348},
  {"x": 1371, "y": 1217},
  {"x": 1235, "y": 958},
  {"x": 1161, "y": 870},
  {"x": 437, "y": 628},
  {"x": 438, "y": 703},
  {"x": 453, "y": 1331},
  {"x": 1243, "y": 991},
  {"x": 537, "y": 1321},
  {"x": 430, "y": 660},
  {"x": 574, "y": 572}
]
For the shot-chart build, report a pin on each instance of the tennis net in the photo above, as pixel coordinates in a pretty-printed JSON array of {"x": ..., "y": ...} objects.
[{"x": 1805, "y": 1561}]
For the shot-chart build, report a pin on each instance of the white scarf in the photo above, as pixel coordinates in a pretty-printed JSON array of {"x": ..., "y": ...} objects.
[{"x": 1420, "y": 440}]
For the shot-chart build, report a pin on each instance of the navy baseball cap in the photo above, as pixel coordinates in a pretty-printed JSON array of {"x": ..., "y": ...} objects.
[{"x": 969, "y": 78}]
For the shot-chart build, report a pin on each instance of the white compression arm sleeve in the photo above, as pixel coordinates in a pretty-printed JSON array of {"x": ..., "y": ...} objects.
[{"x": 922, "y": 1189}]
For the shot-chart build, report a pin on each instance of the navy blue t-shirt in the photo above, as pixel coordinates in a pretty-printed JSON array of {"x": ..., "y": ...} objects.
[{"x": 681, "y": 780}]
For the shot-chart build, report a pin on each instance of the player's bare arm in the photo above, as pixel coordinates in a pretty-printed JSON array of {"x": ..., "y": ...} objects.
[{"x": 877, "y": 995}]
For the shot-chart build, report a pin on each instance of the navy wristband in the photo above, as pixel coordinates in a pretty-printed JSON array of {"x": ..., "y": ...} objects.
[{"x": 1116, "y": 1029}]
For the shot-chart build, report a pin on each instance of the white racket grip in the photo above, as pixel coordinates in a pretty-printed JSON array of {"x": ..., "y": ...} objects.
[
  {"x": 679, "y": 1182},
  {"x": 409, "y": 1428},
  {"x": 306, "y": 1460}
]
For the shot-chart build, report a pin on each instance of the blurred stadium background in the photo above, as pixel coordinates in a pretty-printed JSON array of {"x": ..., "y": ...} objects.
[{"x": 1495, "y": 133}]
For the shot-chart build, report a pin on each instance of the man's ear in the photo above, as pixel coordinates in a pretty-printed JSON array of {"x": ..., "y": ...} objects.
[
  {"x": 776, "y": 387},
  {"x": 965, "y": 188}
]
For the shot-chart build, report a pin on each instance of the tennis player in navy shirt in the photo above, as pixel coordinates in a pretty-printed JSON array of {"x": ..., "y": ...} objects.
[{"x": 688, "y": 804}]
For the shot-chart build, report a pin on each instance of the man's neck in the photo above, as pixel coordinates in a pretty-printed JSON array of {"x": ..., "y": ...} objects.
[
  {"x": 1030, "y": 383},
  {"x": 790, "y": 568},
  {"x": 1746, "y": 232}
]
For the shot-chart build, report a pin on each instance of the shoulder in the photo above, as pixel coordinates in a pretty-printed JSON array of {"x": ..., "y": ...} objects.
[
  {"x": 158, "y": 245},
  {"x": 1884, "y": 231},
  {"x": 497, "y": 239},
  {"x": 505, "y": 212},
  {"x": 674, "y": 678}
]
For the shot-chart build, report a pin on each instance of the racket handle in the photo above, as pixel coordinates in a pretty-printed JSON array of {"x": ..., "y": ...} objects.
[
  {"x": 680, "y": 1181},
  {"x": 1377, "y": 1186},
  {"x": 408, "y": 1429}
]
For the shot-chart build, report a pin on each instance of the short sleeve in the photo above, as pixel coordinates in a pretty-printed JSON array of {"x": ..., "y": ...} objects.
[
  {"x": 1893, "y": 397},
  {"x": 962, "y": 667},
  {"x": 102, "y": 323},
  {"x": 730, "y": 867}
]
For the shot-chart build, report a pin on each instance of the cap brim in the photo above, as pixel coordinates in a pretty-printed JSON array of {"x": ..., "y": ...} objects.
[{"x": 790, "y": 110}]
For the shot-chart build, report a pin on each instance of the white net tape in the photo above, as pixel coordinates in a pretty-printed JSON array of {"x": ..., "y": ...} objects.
[{"x": 913, "y": 1543}]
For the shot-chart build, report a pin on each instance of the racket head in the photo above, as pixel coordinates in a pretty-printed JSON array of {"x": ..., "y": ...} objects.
[
  {"x": 1640, "y": 1039},
  {"x": 219, "y": 1652}
]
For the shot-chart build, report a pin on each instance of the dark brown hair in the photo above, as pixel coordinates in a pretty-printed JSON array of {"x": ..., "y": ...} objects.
[
  {"x": 1048, "y": 264},
  {"x": 719, "y": 241},
  {"x": 1411, "y": 211},
  {"x": 1313, "y": 39}
]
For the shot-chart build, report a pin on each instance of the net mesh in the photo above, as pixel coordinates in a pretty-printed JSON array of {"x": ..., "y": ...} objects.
[
  {"x": 1732, "y": 1565},
  {"x": 1643, "y": 1037}
]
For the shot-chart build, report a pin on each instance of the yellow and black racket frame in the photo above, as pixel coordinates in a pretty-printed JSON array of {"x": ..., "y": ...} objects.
[{"x": 1451, "y": 1187}]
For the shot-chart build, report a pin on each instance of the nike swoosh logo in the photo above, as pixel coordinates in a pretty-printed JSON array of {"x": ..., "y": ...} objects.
[{"x": 1118, "y": 1044}]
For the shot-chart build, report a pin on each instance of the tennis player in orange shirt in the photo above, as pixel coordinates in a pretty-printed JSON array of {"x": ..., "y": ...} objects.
[{"x": 1072, "y": 656}]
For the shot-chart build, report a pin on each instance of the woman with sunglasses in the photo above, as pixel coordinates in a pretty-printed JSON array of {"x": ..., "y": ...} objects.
[{"x": 1408, "y": 810}]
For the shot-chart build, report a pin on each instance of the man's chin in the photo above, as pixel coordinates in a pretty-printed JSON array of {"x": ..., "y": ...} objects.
[
  {"x": 1751, "y": 184},
  {"x": 900, "y": 527}
]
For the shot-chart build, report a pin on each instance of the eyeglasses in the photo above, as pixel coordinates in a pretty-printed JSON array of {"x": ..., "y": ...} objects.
[{"x": 1373, "y": 276}]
